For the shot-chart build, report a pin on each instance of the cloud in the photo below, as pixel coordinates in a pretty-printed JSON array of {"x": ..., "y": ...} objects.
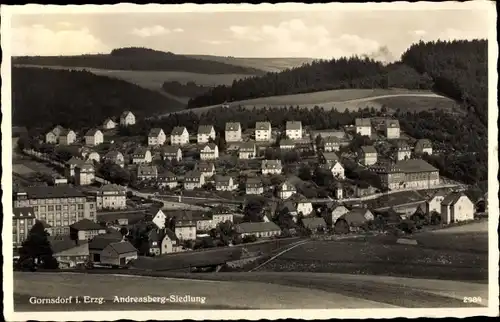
[
  {"x": 215, "y": 42},
  {"x": 419, "y": 32},
  {"x": 150, "y": 31},
  {"x": 39, "y": 40},
  {"x": 293, "y": 38},
  {"x": 178, "y": 30}
]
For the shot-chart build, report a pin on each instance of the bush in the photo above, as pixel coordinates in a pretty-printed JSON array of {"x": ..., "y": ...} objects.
[{"x": 249, "y": 239}]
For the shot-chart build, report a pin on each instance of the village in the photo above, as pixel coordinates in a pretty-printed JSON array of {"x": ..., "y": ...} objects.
[{"x": 190, "y": 191}]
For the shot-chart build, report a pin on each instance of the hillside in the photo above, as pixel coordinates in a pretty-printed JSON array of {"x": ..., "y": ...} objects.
[
  {"x": 265, "y": 64},
  {"x": 141, "y": 59},
  {"x": 44, "y": 97}
]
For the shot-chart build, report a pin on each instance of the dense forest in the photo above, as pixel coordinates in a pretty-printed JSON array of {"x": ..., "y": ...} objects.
[
  {"x": 190, "y": 89},
  {"x": 44, "y": 97},
  {"x": 135, "y": 58},
  {"x": 319, "y": 75}
]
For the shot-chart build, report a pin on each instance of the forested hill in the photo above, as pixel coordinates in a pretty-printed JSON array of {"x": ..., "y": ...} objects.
[
  {"x": 136, "y": 58},
  {"x": 457, "y": 69},
  {"x": 43, "y": 97}
]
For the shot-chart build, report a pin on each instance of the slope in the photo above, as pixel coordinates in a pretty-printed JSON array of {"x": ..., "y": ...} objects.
[
  {"x": 43, "y": 97},
  {"x": 266, "y": 64}
]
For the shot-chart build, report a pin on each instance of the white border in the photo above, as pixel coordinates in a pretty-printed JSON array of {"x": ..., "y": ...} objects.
[{"x": 492, "y": 310}]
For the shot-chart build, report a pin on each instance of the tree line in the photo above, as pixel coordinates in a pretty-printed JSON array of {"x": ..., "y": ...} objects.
[{"x": 190, "y": 89}]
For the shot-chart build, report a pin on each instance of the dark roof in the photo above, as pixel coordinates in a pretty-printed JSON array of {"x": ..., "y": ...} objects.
[
  {"x": 47, "y": 192},
  {"x": 65, "y": 132},
  {"x": 368, "y": 149},
  {"x": 140, "y": 152},
  {"x": 363, "y": 122},
  {"x": 125, "y": 113},
  {"x": 402, "y": 145},
  {"x": 212, "y": 146},
  {"x": 170, "y": 234},
  {"x": 114, "y": 216},
  {"x": 254, "y": 227},
  {"x": 122, "y": 247},
  {"x": 313, "y": 222},
  {"x": 254, "y": 182},
  {"x": 355, "y": 217},
  {"x": 168, "y": 175},
  {"x": 170, "y": 149},
  {"x": 263, "y": 126},
  {"x": 102, "y": 241},
  {"x": 23, "y": 212},
  {"x": 233, "y": 126},
  {"x": 293, "y": 125},
  {"x": 452, "y": 198},
  {"x": 74, "y": 161},
  {"x": 271, "y": 164},
  {"x": 147, "y": 170},
  {"x": 222, "y": 180},
  {"x": 247, "y": 147},
  {"x": 205, "y": 166},
  {"x": 113, "y": 154},
  {"x": 415, "y": 165},
  {"x": 423, "y": 143},
  {"x": 332, "y": 133},
  {"x": 330, "y": 156},
  {"x": 155, "y": 132},
  {"x": 112, "y": 187},
  {"x": 156, "y": 235},
  {"x": 205, "y": 129},
  {"x": 86, "y": 224},
  {"x": 286, "y": 142},
  {"x": 178, "y": 130},
  {"x": 392, "y": 123},
  {"x": 193, "y": 174},
  {"x": 92, "y": 132},
  {"x": 61, "y": 243}
]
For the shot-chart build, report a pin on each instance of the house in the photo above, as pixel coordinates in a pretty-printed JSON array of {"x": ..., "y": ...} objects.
[
  {"x": 207, "y": 169},
  {"x": 111, "y": 197},
  {"x": 71, "y": 164},
  {"x": 357, "y": 217},
  {"x": 99, "y": 243},
  {"x": 254, "y": 186},
  {"x": 141, "y": 155},
  {"x": 23, "y": 220},
  {"x": 331, "y": 144},
  {"x": 286, "y": 144},
  {"x": 127, "y": 118},
  {"x": 220, "y": 215},
  {"x": 434, "y": 203},
  {"x": 205, "y": 133},
  {"x": 85, "y": 229},
  {"x": 171, "y": 152},
  {"x": 314, "y": 223},
  {"x": 329, "y": 158},
  {"x": 53, "y": 135},
  {"x": 156, "y": 137},
  {"x": 402, "y": 150},
  {"x": 67, "y": 137},
  {"x": 293, "y": 130},
  {"x": 179, "y": 136},
  {"x": 423, "y": 146},
  {"x": 338, "y": 212},
  {"x": 67, "y": 252},
  {"x": 247, "y": 151},
  {"x": 185, "y": 227},
  {"x": 155, "y": 238},
  {"x": 193, "y": 179},
  {"x": 118, "y": 254},
  {"x": 368, "y": 155},
  {"x": 286, "y": 190},
  {"x": 147, "y": 172},
  {"x": 262, "y": 131},
  {"x": 233, "y": 132},
  {"x": 392, "y": 130},
  {"x": 159, "y": 218},
  {"x": 84, "y": 174},
  {"x": 336, "y": 169},
  {"x": 209, "y": 151},
  {"x": 120, "y": 218},
  {"x": 94, "y": 137},
  {"x": 363, "y": 126},
  {"x": 456, "y": 207},
  {"x": 204, "y": 223},
  {"x": 108, "y": 124},
  {"x": 225, "y": 183},
  {"x": 339, "y": 134},
  {"x": 339, "y": 191},
  {"x": 168, "y": 179},
  {"x": 301, "y": 204},
  {"x": 258, "y": 229},
  {"x": 413, "y": 173},
  {"x": 170, "y": 242},
  {"x": 115, "y": 157},
  {"x": 271, "y": 167},
  {"x": 92, "y": 156}
]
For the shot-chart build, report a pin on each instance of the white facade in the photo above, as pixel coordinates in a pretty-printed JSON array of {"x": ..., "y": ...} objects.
[
  {"x": 209, "y": 152},
  {"x": 193, "y": 183},
  {"x": 338, "y": 170},
  {"x": 127, "y": 119},
  {"x": 263, "y": 131},
  {"x": 294, "y": 130},
  {"x": 95, "y": 139},
  {"x": 94, "y": 156},
  {"x": 392, "y": 132},
  {"x": 67, "y": 138},
  {"x": 204, "y": 137},
  {"x": 434, "y": 204},
  {"x": 460, "y": 210},
  {"x": 225, "y": 185},
  {"x": 159, "y": 219},
  {"x": 84, "y": 176},
  {"x": 180, "y": 139},
  {"x": 186, "y": 232},
  {"x": 157, "y": 139},
  {"x": 141, "y": 159},
  {"x": 233, "y": 132},
  {"x": 305, "y": 208},
  {"x": 271, "y": 167},
  {"x": 338, "y": 212},
  {"x": 109, "y": 124},
  {"x": 286, "y": 190},
  {"x": 403, "y": 154}
]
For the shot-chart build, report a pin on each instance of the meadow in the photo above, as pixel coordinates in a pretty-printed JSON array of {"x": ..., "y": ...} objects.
[{"x": 265, "y": 64}]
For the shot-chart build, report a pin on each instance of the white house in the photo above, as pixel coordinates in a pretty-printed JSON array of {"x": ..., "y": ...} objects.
[
  {"x": 392, "y": 130},
  {"x": 115, "y": 157},
  {"x": 423, "y": 146},
  {"x": 168, "y": 179},
  {"x": 287, "y": 144},
  {"x": 286, "y": 190},
  {"x": 179, "y": 136},
  {"x": 456, "y": 207},
  {"x": 147, "y": 172},
  {"x": 193, "y": 179},
  {"x": 209, "y": 151},
  {"x": 84, "y": 174},
  {"x": 92, "y": 156},
  {"x": 108, "y": 124},
  {"x": 338, "y": 212},
  {"x": 293, "y": 130},
  {"x": 262, "y": 131},
  {"x": 225, "y": 183},
  {"x": 156, "y": 137},
  {"x": 185, "y": 228},
  {"x": 363, "y": 126},
  {"x": 142, "y": 155},
  {"x": 94, "y": 137},
  {"x": 402, "y": 150},
  {"x": 337, "y": 170},
  {"x": 67, "y": 137},
  {"x": 171, "y": 152},
  {"x": 247, "y": 151},
  {"x": 53, "y": 135},
  {"x": 271, "y": 167},
  {"x": 159, "y": 219},
  {"x": 127, "y": 118},
  {"x": 205, "y": 132},
  {"x": 233, "y": 132},
  {"x": 258, "y": 229},
  {"x": 332, "y": 143},
  {"x": 434, "y": 203},
  {"x": 302, "y": 205},
  {"x": 254, "y": 186},
  {"x": 368, "y": 155},
  {"x": 111, "y": 196},
  {"x": 207, "y": 169}
]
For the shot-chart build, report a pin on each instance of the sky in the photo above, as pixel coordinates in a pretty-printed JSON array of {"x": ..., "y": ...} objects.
[{"x": 383, "y": 34}]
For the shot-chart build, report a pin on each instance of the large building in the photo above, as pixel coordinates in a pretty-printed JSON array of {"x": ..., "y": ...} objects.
[
  {"x": 392, "y": 130},
  {"x": 22, "y": 220},
  {"x": 111, "y": 197},
  {"x": 293, "y": 130},
  {"x": 262, "y": 131},
  {"x": 59, "y": 206},
  {"x": 407, "y": 174},
  {"x": 233, "y": 132}
]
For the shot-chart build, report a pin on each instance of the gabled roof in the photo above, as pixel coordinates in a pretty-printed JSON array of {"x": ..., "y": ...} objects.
[
  {"x": 286, "y": 142},
  {"x": 75, "y": 161},
  {"x": 156, "y": 235},
  {"x": 100, "y": 242},
  {"x": 126, "y": 113},
  {"x": 113, "y": 154},
  {"x": 140, "y": 152},
  {"x": 154, "y": 132},
  {"x": 211, "y": 146},
  {"x": 47, "y": 192},
  {"x": 355, "y": 217},
  {"x": 263, "y": 126},
  {"x": 205, "y": 129},
  {"x": 85, "y": 166},
  {"x": 170, "y": 235},
  {"x": 415, "y": 166},
  {"x": 363, "y": 122},
  {"x": 23, "y": 212},
  {"x": 330, "y": 156},
  {"x": 92, "y": 132},
  {"x": 85, "y": 224},
  {"x": 168, "y": 175},
  {"x": 293, "y": 125},
  {"x": 271, "y": 164},
  {"x": 205, "y": 166},
  {"x": 452, "y": 198},
  {"x": 170, "y": 149},
  {"x": 106, "y": 121},
  {"x": 65, "y": 132},
  {"x": 62, "y": 243},
  {"x": 233, "y": 126},
  {"x": 423, "y": 143},
  {"x": 287, "y": 183},
  {"x": 112, "y": 188},
  {"x": 313, "y": 222},
  {"x": 223, "y": 180},
  {"x": 392, "y": 123},
  {"x": 193, "y": 174},
  {"x": 255, "y": 227},
  {"x": 144, "y": 169},
  {"x": 402, "y": 145},
  {"x": 122, "y": 247},
  {"x": 178, "y": 130},
  {"x": 254, "y": 182},
  {"x": 368, "y": 149},
  {"x": 247, "y": 147}
]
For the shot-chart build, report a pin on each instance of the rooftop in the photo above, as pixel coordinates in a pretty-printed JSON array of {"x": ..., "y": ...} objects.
[
  {"x": 254, "y": 227},
  {"x": 233, "y": 126},
  {"x": 92, "y": 132},
  {"x": 368, "y": 149},
  {"x": 293, "y": 125},
  {"x": 48, "y": 192},
  {"x": 23, "y": 212},
  {"x": 415, "y": 166},
  {"x": 363, "y": 122},
  {"x": 205, "y": 129},
  {"x": 263, "y": 126},
  {"x": 122, "y": 247},
  {"x": 154, "y": 132},
  {"x": 86, "y": 224},
  {"x": 178, "y": 130}
]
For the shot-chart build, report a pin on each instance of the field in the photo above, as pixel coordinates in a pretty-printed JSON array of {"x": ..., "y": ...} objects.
[
  {"x": 419, "y": 104},
  {"x": 351, "y": 99},
  {"x": 266, "y": 64},
  {"x": 28, "y": 167}
]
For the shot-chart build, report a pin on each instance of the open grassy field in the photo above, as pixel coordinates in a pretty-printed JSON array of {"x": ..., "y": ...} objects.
[
  {"x": 265, "y": 64},
  {"x": 419, "y": 104},
  {"x": 351, "y": 99}
]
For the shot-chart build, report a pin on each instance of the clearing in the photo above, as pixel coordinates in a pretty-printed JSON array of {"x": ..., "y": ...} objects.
[{"x": 351, "y": 99}]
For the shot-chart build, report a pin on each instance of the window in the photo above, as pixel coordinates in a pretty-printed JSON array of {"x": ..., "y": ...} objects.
[
  {"x": 35, "y": 208},
  {"x": 42, "y": 208},
  {"x": 80, "y": 207},
  {"x": 65, "y": 207},
  {"x": 58, "y": 208},
  {"x": 50, "y": 208}
]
